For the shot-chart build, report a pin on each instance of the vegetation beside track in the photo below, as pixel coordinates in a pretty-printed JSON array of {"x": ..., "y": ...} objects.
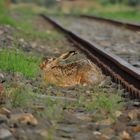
[
  {"x": 18, "y": 61},
  {"x": 103, "y": 8},
  {"x": 117, "y": 12}
]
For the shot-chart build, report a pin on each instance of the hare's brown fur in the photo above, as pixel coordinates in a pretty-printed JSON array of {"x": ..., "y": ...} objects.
[{"x": 79, "y": 72}]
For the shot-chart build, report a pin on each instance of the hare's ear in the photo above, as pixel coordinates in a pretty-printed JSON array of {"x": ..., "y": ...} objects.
[
  {"x": 67, "y": 55},
  {"x": 46, "y": 60}
]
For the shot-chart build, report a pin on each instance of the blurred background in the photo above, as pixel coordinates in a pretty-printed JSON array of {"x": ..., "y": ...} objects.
[{"x": 119, "y": 9}]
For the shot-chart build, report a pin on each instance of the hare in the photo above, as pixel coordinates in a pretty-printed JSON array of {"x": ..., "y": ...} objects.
[{"x": 70, "y": 74}]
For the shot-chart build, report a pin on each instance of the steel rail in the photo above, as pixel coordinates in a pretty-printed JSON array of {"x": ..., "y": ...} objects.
[
  {"x": 112, "y": 65},
  {"x": 130, "y": 26}
]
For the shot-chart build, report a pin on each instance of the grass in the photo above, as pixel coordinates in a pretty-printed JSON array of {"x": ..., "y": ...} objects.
[
  {"x": 102, "y": 104},
  {"x": 27, "y": 28},
  {"x": 131, "y": 15},
  {"x": 32, "y": 34},
  {"x": 21, "y": 97},
  {"x": 5, "y": 19},
  {"x": 54, "y": 109},
  {"x": 113, "y": 11},
  {"x": 18, "y": 61},
  {"x": 30, "y": 31}
]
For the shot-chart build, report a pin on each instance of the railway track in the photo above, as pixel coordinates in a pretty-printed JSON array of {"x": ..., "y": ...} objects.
[
  {"x": 112, "y": 65},
  {"x": 130, "y": 26},
  {"x": 118, "y": 40}
]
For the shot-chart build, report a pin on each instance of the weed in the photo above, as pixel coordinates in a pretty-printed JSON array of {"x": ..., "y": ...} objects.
[
  {"x": 101, "y": 103},
  {"x": 5, "y": 18},
  {"x": 29, "y": 30},
  {"x": 104, "y": 103},
  {"x": 132, "y": 15},
  {"x": 54, "y": 109},
  {"x": 119, "y": 11},
  {"x": 31, "y": 33},
  {"x": 21, "y": 98},
  {"x": 18, "y": 95}
]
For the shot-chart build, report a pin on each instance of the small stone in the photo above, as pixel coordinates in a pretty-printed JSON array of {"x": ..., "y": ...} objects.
[
  {"x": 136, "y": 103},
  {"x": 48, "y": 31},
  {"x": 3, "y": 119},
  {"x": 83, "y": 136},
  {"x": 1, "y": 89},
  {"x": 84, "y": 117},
  {"x": 137, "y": 136},
  {"x": 136, "y": 128},
  {"x": 4, "y": 134},
  {"x": 38, "y": 108},
  {"x": 1, "y": 77},
  {"x": 26, "y": 118},
  {"x": 27, "y": 48},
  {"x": 1, "y": 32},
  {"x": 125, "y": 135},
  {"x": 105, "y": 122},
  {"x": 5, "y": 111},
  {"x": 133, "y": 114},
  {"x": 115, "y": 138},
  {"x": 119, "y": 126},
  {"x": 34, "y": 44},
  {"x": 118, "y": 113},
  {"x": 133, "y": 123},
  {"x": 104, "y": 137},
  {"x": 97, "y": 133},
  {"x": 42, "y": 132},
  {"x": 10, "y": 37},
  {"x": 68, "y": 128},
  {"x": 65, "y": 134},
  {"x": 108, "y": 132},
  {"x": 21, "y": 40}
]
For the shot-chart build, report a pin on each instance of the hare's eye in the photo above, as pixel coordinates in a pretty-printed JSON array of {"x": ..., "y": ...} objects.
[
  {"x": 44, "y": 63},
  {"x": 51, "y": 59}
]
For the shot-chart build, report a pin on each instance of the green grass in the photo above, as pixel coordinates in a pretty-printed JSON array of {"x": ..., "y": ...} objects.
[
  {"x": 31, "y": 33},
  {"x": 28, "y": 30},
  {"x": 17, "y": 61},
  {"x": 5, "y": 19},
  {"x": 131, "y": 15},
  {"x": 102, "y": 104},
  {"x": 124, "y": 15},
  {"x": 102, "y": 101},
  {"x": 21, "y": 97},
  {"x": 113, "y": 11}
]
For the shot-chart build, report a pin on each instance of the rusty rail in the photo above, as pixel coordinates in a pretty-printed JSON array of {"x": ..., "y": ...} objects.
[
  {"x": 121, "y": 71},
  {"x": 130, "y": 26}
]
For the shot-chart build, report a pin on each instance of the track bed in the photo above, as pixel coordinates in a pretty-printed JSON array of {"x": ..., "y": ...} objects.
[{"x": 76, "y": 113}]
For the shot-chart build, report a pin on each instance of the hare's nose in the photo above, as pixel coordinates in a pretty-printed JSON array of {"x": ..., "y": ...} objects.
[{"x": 73, "y": 52}]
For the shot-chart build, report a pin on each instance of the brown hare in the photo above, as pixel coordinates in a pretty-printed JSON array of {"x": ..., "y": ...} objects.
[{"x": 70, "y": 74}]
